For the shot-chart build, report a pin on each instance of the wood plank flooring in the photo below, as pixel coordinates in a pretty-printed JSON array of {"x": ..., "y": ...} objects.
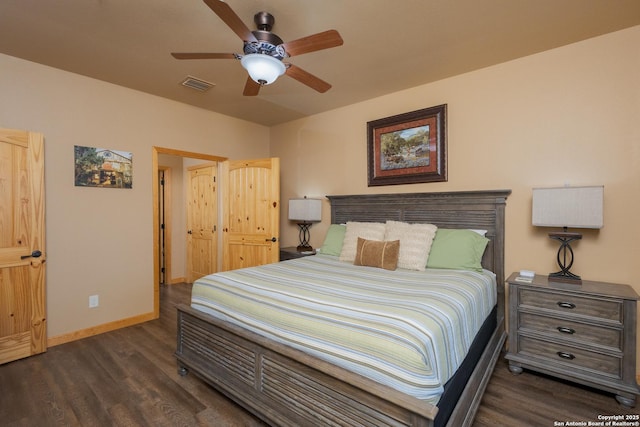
[{"x": 129, "y": 378}]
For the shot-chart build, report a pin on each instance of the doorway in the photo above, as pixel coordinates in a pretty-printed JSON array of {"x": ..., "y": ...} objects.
[{"x": 156, "y": 195}]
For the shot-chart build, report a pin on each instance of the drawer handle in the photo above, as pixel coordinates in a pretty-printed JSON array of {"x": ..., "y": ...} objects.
[
  {"x": 566, "y": 330},
  {"x": 568, "y": 305},
  {"x": 566, "y": 355}
]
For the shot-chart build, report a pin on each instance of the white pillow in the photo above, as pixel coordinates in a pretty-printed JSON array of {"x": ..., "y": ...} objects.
[
  {"x": 366, "y": 230},
  {"x": 415, "y": 243}
]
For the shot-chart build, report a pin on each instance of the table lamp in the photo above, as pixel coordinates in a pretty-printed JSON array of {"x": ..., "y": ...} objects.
[
  {"x": 305, "y": 212},
  {"x": 567, "y": 207}
]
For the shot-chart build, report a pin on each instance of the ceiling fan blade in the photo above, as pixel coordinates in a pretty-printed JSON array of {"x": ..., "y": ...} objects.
[
  {"x": 251, "y": 88},
  {"x": 307, "y": 78},
  {"x": 224, "y": 12},
  {"x": 194, "y": 55},
  {"x": 319, "y": 41}
]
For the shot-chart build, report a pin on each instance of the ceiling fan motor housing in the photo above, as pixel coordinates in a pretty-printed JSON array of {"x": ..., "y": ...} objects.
[{"x": 265, "y": 47}]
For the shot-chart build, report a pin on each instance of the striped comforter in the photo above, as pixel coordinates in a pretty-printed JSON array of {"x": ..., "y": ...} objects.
[{"x": 407, "y": 329}]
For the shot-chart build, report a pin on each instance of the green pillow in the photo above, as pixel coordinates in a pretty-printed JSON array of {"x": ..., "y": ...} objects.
[
  {"x": 333, "y": 240},
  {"x": 457, "y": 249}
]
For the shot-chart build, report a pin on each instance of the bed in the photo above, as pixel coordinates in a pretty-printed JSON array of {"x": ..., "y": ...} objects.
[{"x": 284, "y": 385}]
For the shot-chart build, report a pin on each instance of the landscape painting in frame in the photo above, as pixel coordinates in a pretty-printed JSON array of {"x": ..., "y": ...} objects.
[
  {"x": 408, "y": 148},
  {"x": 103, "y": 167}
]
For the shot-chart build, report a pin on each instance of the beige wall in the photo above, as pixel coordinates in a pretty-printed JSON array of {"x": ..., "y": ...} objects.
[
  {"x": 99, "y": 241},
  {"x": 565, "y": 116}
]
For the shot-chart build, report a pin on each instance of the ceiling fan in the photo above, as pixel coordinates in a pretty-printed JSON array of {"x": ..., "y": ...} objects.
[{"x": 264, "y": 51}]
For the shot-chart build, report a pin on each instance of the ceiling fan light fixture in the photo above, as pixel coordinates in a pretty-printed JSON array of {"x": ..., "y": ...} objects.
[{"x": 263, "y": 69}]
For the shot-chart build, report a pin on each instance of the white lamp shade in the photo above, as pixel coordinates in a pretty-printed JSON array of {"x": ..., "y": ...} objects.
[
  {"x": 262, "y": 68},
  {"x": 574, "y": 207},
  {"x": 307, "y": 210}
]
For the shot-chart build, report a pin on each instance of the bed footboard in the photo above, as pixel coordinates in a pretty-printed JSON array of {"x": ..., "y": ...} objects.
[
  {"x": 286, "y": 387},
  {"x": 281, "y": 390}
]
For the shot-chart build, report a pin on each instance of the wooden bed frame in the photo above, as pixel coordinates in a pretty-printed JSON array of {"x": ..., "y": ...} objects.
[{"x": 287, "y": 387}]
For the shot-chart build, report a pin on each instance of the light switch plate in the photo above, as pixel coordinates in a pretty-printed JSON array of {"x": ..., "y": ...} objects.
[{"x": 94, "y": 301}]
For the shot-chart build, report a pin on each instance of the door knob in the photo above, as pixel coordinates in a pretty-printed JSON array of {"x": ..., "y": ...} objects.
[{"x": 273, "y": 239}]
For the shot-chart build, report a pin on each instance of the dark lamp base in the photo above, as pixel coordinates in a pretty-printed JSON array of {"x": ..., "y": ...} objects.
[
  {"x": 304, "y": 245},
  {"x": 559, "y": 277},
  {"x": 565, "y": 258}
]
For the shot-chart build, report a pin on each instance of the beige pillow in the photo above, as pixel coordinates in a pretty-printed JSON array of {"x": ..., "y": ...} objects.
[
  {"x": 366, "y": 230},
  {"x": 377, "y": 254},
  {"x": 415, "y": 243}
]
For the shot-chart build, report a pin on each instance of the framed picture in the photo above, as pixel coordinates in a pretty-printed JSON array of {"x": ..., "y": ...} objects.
[
  {"x": 408, "y": 148},
  {"x": 102, "y": 167}
]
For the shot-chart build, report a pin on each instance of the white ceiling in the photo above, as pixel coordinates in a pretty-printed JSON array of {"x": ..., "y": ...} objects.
[{"x": 388, "y": 45}]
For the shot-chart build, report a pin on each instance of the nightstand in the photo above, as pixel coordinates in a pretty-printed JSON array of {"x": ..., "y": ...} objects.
[
  {"x": 292, "y": 253},
  {"x": 582, "y": 333}
]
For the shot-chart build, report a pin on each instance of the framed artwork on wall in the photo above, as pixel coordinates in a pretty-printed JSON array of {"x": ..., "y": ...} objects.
[
  {"x": 102, "y": 167},
  {"x": 408, "y": 148}
]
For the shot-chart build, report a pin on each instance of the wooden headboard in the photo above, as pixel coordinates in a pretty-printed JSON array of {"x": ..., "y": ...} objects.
[{"x": 460, "y": 209}]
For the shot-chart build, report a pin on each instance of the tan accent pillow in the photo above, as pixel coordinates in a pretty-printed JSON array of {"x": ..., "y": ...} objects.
[
  {"x": 415, "y": 243},
  {"x": 366, "y": 230},
  {"x": 372, "y": 253}
]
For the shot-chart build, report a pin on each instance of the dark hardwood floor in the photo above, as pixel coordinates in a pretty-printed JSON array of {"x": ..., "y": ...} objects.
[{"x": 129, "y": 378}]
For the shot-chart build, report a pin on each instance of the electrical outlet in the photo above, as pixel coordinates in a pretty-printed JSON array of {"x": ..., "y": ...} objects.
[{"x": 94, "y": 301}]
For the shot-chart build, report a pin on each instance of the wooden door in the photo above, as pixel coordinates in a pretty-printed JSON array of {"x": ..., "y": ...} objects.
[
  {"x": 251, "y": 212},
  {"x": 23, "y": 329},
  {"x": 165, "y": 226},
  {"x": 202, "y": 220}
]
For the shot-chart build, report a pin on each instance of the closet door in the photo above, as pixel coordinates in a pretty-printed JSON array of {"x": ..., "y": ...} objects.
[
  {"x": 23, "y": 329},
  {"x": 251, "y": 212},
  {"x": 202, "y": 221}
]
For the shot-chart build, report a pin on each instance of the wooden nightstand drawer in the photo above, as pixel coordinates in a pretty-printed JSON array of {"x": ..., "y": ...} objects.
[
  {"x": 567, "y": 303},
  {"x": 603, "y": 364},
  {"x": 564, "y": 329}
]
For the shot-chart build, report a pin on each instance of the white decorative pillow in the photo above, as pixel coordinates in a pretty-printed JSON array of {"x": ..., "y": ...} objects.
[
  {"x": 415, "y": 243},
  {"x": 365, "y": 230}
]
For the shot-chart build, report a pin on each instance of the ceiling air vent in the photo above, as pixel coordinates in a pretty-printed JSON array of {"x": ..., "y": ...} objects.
[{"x": 197, "y": 84}]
